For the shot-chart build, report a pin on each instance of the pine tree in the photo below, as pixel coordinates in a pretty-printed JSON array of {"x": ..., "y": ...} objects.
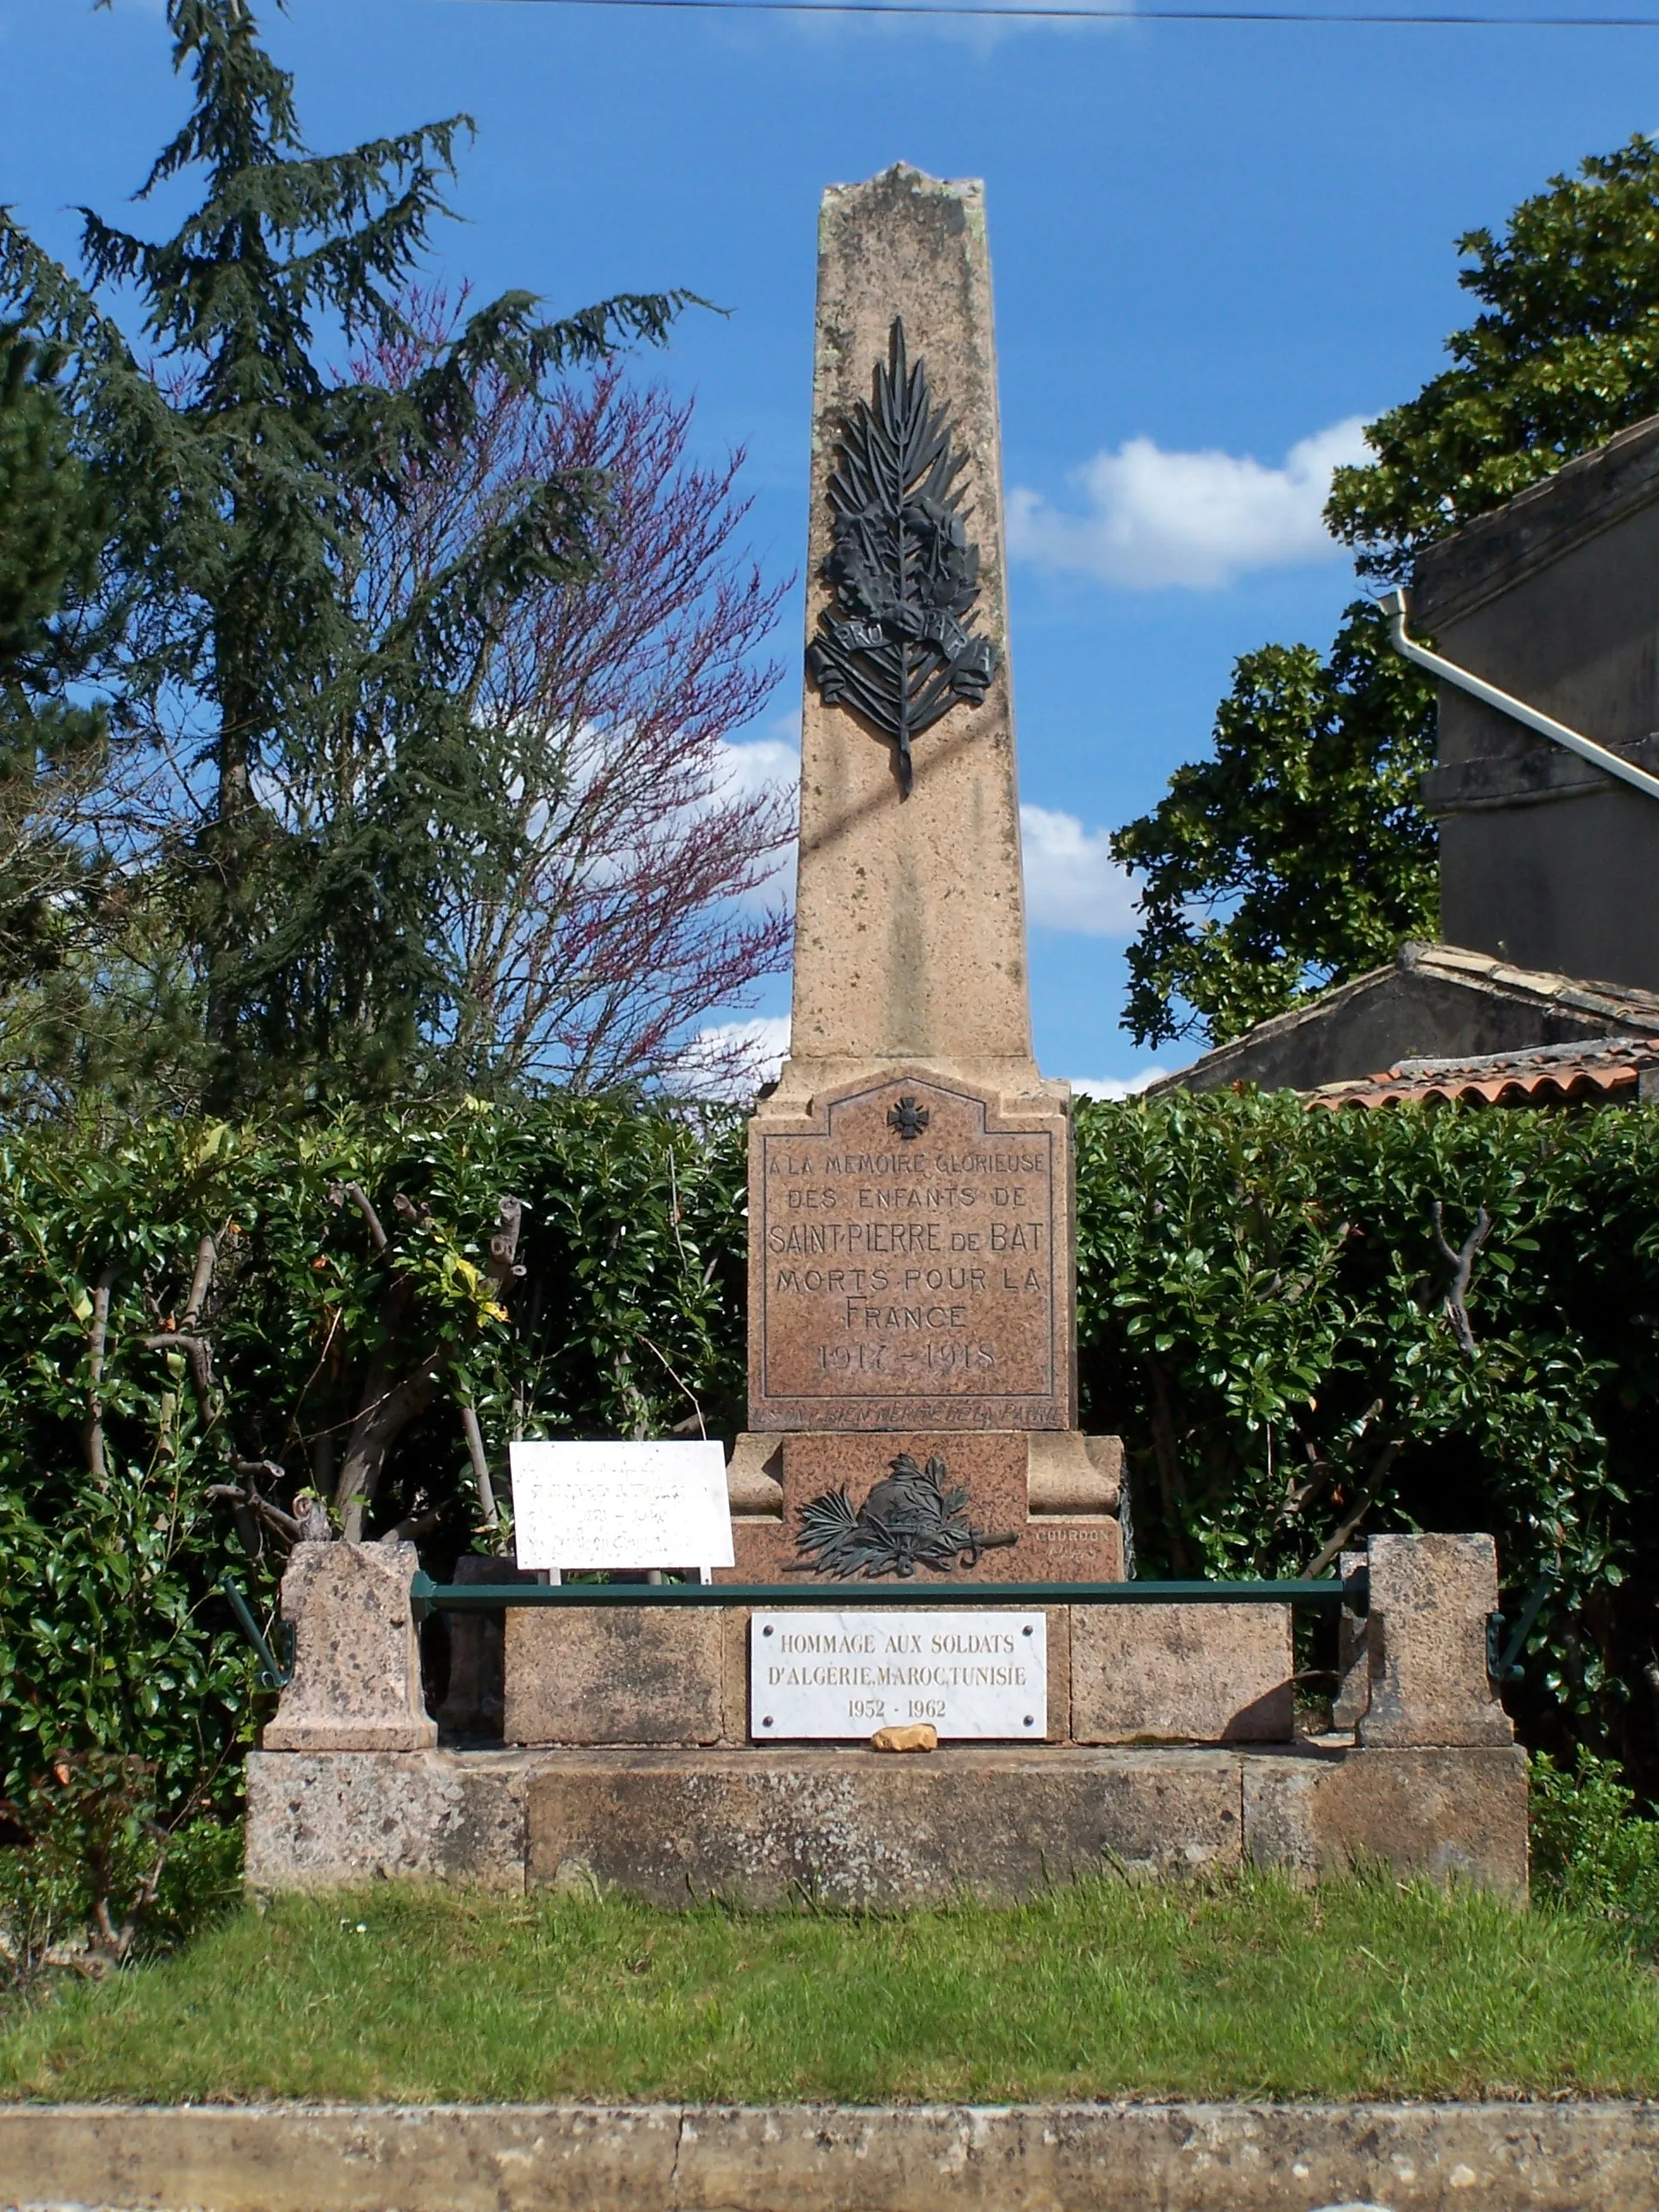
[
  {"x": 243, "y": 469},
  {"x": 54, "y": 521}
]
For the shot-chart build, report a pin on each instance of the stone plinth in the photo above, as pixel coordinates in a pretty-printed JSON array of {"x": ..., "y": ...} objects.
[
  {"x": 1451, "y": 1815},
  {"x": 1426, "y": 1643},
  {"x": 356, "y": 1682},
  {"x": 1181, "y": 1674},
  {"x": 857, "y": 1827},
  {"x": 331, "y": 1819},
  {"x": 604, "y": 1676}
]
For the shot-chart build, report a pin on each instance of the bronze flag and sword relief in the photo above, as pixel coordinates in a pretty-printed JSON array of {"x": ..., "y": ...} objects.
[
  {"x": 900, "y": 564},
  {"x": 910, "y": 1519}
]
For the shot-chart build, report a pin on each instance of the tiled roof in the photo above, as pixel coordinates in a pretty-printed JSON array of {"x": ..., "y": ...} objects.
[
  {"x": 1625, "y": 1008},
  {"x": 1530, "y": 1000},
  {"x": 1595, "y": 1071}
]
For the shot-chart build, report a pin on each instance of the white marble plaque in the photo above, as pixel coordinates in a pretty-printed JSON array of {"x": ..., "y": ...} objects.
[
  {"x": 620, "y": 1505},
  {"x": 972, "y": 1673}
]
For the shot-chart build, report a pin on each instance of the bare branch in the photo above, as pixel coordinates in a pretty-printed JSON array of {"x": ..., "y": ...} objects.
[
  {"x": 1461, "y": 1263},
  {"x": 360, "y": 1198},
  {"x": 475, "y": 1448},
  {"x": 604, "y": 702},
  {"x": 412, "y": 1527},
  {"x": 504, "y": 1269},
  {"x": 201, "y": 1282},
  {"x": 1298, "y": 1497},
  {"x": 307, "y": 1523},
  {"x": 97, "y": 1341},
  {"x": 695, "y": 1418},
  {"x": 198, "y": 1353},
  {"x": 388, "y": 1409},
  {"x": 249, "y": 1501},
  {"x": 250, "y": 1469},
  {"x": 1322, "y": 1558}
]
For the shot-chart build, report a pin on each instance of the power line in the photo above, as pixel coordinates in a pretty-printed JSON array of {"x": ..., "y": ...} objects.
[{"x": 1050, "y": 14}]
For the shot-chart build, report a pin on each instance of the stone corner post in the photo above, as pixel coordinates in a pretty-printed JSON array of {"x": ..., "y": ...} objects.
[
  {"x": 1427, "y": 1643},
  {"x": 356, "y": 1682}
]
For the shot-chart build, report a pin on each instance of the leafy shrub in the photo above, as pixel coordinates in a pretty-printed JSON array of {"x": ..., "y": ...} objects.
[
  {"x": 1590, "y": 1849},
  {"x": 90, "y": 1876},
  {"x": 1263, "y": 1316},
  {"x": 121, "y": 1410}
]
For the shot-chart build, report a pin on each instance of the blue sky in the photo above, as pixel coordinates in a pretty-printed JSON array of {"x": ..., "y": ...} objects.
[{"x": 1217, "y": 247}]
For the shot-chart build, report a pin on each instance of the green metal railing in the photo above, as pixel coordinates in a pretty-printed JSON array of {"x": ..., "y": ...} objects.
[
  {"x": 1328, "y": 1593},
  {"x": 274, "y": 1674},
  {"x": 1503, "y": 1660},
  {"x": 1324, "y": 1593}
]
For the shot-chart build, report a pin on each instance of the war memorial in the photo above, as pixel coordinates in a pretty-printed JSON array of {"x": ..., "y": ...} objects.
[{"x": 917, "y": 1664}]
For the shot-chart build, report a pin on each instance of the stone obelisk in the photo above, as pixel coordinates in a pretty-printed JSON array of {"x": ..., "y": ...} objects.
[{"x": 912, "y": 1316}]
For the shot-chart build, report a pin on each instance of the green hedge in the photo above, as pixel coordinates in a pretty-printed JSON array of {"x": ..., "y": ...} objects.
[
  {"x": 1263, "y": 1317},
  {"x": 628, "y": 1319},
  {"x": 1261, "y": 1314}
]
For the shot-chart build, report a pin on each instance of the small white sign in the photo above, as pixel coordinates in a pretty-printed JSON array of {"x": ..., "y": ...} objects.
[
  {"x": 578, "y": 1506},
  {"x": 972, "y": 1673}
]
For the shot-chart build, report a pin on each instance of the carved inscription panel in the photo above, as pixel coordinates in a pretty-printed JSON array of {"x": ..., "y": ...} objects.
[{"x": 910, "y": 1265}]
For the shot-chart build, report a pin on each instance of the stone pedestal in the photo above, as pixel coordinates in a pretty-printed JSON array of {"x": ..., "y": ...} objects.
[
  {"x": 356, "y": 1683},
  {"x": 1170, "y": 1746}
]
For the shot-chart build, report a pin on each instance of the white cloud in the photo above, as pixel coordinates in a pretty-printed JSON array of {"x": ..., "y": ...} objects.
[
  {"x": 1112, "y": 1086},
  {"x": 731, "y": 1059},
  {"x": 1201, "y": 519},
  {"x": 761, "y": 764},
  {"x": 1071, "y": 881},
  {"x": 961, "y": 20}
]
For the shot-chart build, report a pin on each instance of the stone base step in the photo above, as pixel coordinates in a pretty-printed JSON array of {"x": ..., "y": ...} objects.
[
  {"x": 762, "y": 1826},
  {"x": 1144, "y": 2157}
]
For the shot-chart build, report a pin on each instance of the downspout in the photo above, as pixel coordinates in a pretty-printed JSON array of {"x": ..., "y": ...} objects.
[{"x": 1392, "y": 605}]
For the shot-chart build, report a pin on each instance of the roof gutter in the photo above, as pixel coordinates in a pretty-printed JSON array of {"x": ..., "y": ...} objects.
[{"x": 1392, "y": 605}]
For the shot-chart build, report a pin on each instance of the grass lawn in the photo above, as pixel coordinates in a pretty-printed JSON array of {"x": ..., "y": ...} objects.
[{"x": 1247, "y": 1988}]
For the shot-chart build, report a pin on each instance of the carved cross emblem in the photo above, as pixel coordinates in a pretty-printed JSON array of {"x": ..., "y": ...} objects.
[{"x": 908, "y": 1119}]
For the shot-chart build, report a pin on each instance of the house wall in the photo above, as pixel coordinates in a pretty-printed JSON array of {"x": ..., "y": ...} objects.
[{"x": 1545, "y": 860}]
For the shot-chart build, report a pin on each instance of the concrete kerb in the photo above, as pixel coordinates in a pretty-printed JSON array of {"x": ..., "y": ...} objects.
[{"x": 1519, "y": 2157}]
